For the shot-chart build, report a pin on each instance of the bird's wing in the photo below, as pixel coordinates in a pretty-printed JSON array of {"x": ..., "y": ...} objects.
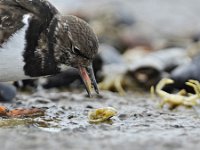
[
  {"x": 10, "y": 22},
  {"x": 41, "y": 8},
  {"x": 12, "y": 12}
]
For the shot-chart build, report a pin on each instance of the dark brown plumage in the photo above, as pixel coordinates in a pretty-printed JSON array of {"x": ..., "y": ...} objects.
[{"x": 52, "y": 40}]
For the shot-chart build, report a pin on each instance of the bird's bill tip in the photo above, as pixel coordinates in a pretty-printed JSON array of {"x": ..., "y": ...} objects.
[
  {"x": 92, "y": 78},
  {"x": 88, "y": 78}
]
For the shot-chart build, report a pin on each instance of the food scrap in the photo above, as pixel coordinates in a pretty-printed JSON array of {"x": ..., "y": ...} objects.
[
  {"x": 23, "y": 112},
  {"x": 181, "y": 98},
  {"x": 101, "y": 114}
]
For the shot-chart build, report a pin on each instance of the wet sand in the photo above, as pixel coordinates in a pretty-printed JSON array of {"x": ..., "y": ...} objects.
[{"x": 139, "y": 125}]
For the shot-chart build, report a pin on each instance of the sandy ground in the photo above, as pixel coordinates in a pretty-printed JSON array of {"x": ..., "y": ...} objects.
[{"x": 139, "y": 125}]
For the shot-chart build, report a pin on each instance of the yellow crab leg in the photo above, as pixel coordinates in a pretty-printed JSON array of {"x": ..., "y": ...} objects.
[
  {"x": 197, "y": 86},
  {"x": 194, "y": 86},
  {"x": 161, "y": 85},
  {"x": 182, "y": 92},
  {"x": 152, "y": 91},
  {"x": 118, "y": 85}
]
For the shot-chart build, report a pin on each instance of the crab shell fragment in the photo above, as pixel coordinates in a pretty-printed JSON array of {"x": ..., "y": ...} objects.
[{"x": 101, "y": 114}]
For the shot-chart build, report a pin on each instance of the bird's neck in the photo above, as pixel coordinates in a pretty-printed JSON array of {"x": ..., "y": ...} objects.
[{"x": 39, "y": 53}]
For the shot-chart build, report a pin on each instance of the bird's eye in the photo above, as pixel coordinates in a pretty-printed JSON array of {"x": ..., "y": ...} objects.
[{"x": 76, "y": 50}]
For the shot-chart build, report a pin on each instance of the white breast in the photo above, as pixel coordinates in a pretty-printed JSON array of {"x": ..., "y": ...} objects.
[{"x": 11, "y": 55}]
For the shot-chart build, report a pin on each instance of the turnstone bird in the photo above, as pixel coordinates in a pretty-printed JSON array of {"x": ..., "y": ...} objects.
[{"x": 36, "y": 40}]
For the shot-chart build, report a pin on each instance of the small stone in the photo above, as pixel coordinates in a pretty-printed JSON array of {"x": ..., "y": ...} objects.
[{"x": 7, "y": 92}]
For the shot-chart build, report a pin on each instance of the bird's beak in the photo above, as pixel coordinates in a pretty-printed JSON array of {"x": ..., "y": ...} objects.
[{"x": 87, "y": 75}]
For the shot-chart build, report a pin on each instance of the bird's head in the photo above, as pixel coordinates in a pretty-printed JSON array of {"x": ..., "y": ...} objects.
[{"x": 76, "y": 46}]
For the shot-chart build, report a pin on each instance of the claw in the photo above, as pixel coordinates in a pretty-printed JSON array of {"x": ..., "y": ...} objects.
[
  {"x": 163, "y": 83},
  {"x": 195, "y": 85},
  {"x": 180, "y": 98}
]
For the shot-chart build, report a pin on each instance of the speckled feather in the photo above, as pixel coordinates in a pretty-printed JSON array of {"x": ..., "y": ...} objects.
[
  {"x": 50, "y": 38},
  {"x": 8, "y": 23}
]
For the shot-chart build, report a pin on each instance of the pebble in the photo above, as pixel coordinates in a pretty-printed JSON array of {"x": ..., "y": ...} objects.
[{"x": 7, "y": 92}]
